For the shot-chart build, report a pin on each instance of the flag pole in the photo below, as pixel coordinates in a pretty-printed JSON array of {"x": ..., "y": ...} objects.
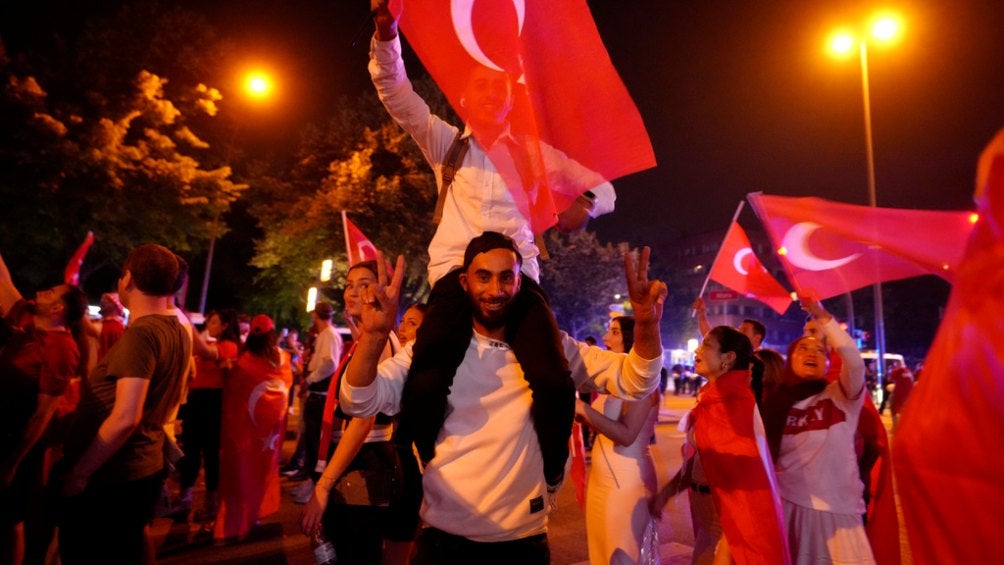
[
  {"x": 719, "y": 252},
  {"x": 348, "y": 246},
  {"x": 763, "y": 220}
]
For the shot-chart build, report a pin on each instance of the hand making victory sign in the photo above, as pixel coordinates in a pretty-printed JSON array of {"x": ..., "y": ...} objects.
[{"x": 647, "y": 300}]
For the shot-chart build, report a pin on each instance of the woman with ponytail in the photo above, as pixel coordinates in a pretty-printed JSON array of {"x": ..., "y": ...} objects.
[{"x": 734, "y": 502}]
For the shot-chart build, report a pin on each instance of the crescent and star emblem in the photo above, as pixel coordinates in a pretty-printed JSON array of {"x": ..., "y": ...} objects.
[
  {"x": 796, "y": 242},
  {"x": 737, "y": 260},
  {"x": 461, "y": 11}
]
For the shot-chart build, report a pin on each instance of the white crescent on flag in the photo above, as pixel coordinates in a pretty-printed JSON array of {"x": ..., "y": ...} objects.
[
  {"x": 796, "y": 243},
  {"x": 737, "y": 260},
  {"x": 461, "y": 12}
]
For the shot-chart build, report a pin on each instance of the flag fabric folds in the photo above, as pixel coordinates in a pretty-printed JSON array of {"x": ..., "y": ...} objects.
[
  {"x": 358, "y": 247},
  {"x": 738, "y": 268},
  {"x": 948, "y": 451},
  {"x": 834, "y": 248},
  {"x": 577, "y": 447},
  {"x": 567, "y": 93},
  {"x": 72, "y": 273},
  {"x": 736, "y": 459}
]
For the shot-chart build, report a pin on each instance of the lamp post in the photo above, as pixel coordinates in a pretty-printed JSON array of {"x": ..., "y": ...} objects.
[
  {"x": 258, "y": 86},
  {"x": 885, "y": 28}
]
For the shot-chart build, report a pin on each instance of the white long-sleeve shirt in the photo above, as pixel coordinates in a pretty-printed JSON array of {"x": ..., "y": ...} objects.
[
  {"x": 479, "y": 200},
  {"x": 327, "y": 352},
  {"x": 486, "y": 480},
  {"x": 816, "y": 465}
]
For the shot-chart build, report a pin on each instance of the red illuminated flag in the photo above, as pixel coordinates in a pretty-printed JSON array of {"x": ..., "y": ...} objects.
[
  {"x": 577, "y": 447},
  {"x": 567, "y": 94},
  {"x": 834, "y": 248},
  {"x": 948, "y": 451},
  {"x": 738, "y": 268},
  {"x": 72, "y": 273},
  {"x": 358, "y": 247}
]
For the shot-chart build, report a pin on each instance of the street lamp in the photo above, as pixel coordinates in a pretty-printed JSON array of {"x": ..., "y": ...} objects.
[
  {"x": 885, "y": 28},
  {"x": 258, "y": 86}
]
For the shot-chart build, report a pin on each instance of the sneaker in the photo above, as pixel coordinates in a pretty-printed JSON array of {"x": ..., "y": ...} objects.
[
  {"x": 299, "y": 475},
  {"x": 289, "y": 470},
  {"x": 303, "y": 492}
]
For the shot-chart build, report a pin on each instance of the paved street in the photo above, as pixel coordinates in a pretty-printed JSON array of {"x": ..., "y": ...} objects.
[{"x": 278, "y": 540}]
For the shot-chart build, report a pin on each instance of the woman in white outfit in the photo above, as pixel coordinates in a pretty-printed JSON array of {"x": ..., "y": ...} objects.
[{"x": 622, "y": 474}]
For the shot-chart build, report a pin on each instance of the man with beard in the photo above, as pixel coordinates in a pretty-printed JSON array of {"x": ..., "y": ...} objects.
[{"x": 485, "y": 494}]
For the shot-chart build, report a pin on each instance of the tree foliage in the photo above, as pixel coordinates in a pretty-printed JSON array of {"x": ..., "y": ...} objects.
[
  {"x": 362, "y": 163},
  {"x": 581, "y": 278},
  {"x": 109, "y": 145}
]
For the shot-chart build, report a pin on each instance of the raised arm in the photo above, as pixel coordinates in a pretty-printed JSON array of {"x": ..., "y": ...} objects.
[
  {"x": 702, "y": 316},
  {"x": 9, "y": 295},
  {"x": 379, "y": 313},
  {"x": 647, "y": 299},
  {"x": 852, "y": 369}
]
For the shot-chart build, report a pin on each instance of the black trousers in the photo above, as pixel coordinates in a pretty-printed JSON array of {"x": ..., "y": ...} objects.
[
  {"x": 202, "y": 419},
  {"x": 441, "y": 344},
  {"x": 104, "y": 524},
  {"x": 435, "y": 547},
  {"x": 313, "y": 419}
]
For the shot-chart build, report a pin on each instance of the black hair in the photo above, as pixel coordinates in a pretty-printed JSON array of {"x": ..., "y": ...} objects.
[
  {"x": 488, "y": 241},
  {"x": 731, "y": 340},
  {"x": 758, "y": 327},
  {"x": 627, "y": 331},
  {"x": 230, "y": 319},
  {"x": 369, "y": 265}
]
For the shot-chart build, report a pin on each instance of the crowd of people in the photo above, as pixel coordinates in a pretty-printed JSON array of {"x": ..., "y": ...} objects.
[{"x": 441, "y": 435}]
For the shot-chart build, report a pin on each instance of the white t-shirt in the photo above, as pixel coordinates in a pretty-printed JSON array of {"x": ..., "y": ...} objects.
[{"x": 486, "y": 480}]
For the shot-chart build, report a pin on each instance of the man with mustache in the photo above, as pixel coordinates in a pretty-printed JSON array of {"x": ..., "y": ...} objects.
[{"x": 485, "y": 493}]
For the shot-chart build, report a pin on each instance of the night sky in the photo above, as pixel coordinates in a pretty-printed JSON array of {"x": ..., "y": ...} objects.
[{"x": 736, "y": 96}]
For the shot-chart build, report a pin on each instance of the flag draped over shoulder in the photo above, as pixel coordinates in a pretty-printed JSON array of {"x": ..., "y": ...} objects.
[
  {"x": 734, "y": 454},
  {"x": 358, "y": 247},
  {"x": 948, "y": 450},
  {"x": 72, "y": 273},
  {"x": 738, "y": 268},
  {"x": 834, "y": 248},
  {"x": 567, "y": 93}
]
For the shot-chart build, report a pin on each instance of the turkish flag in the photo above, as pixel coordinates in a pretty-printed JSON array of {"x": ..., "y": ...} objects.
[
  {"x": 948, "y": 451},
  {"x": 834, "y": 248},
  {"x": 736, "y": 459},
  {"x": 253, "y": 420},
  {"x": 738, "y": 268},
  {"x": 577, "y": 448},
  {"x": 72, "y": 273},
  {"x": 567, "y": 94},
  {"x": 358, "y": 247}
]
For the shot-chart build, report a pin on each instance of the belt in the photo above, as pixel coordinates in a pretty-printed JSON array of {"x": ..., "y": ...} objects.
[{"x": 703, "y": 489}]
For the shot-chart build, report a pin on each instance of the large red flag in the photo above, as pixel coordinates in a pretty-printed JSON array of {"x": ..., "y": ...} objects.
[
  {"x": 948, "y": 450},
  {"x": 358, "y": 247},
  {"x": 72, "y": 273},
  {"x": 567, "y": 93},
  {"x": 835, "y": 248},
  {"x": 736, "y": 459},
  {"x": 738, "y": 268}
]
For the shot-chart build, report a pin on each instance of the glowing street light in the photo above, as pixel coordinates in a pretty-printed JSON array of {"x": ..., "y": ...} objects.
[
  {"x": 885, "y": 28},
  {"x": 258, "y": 85}
]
